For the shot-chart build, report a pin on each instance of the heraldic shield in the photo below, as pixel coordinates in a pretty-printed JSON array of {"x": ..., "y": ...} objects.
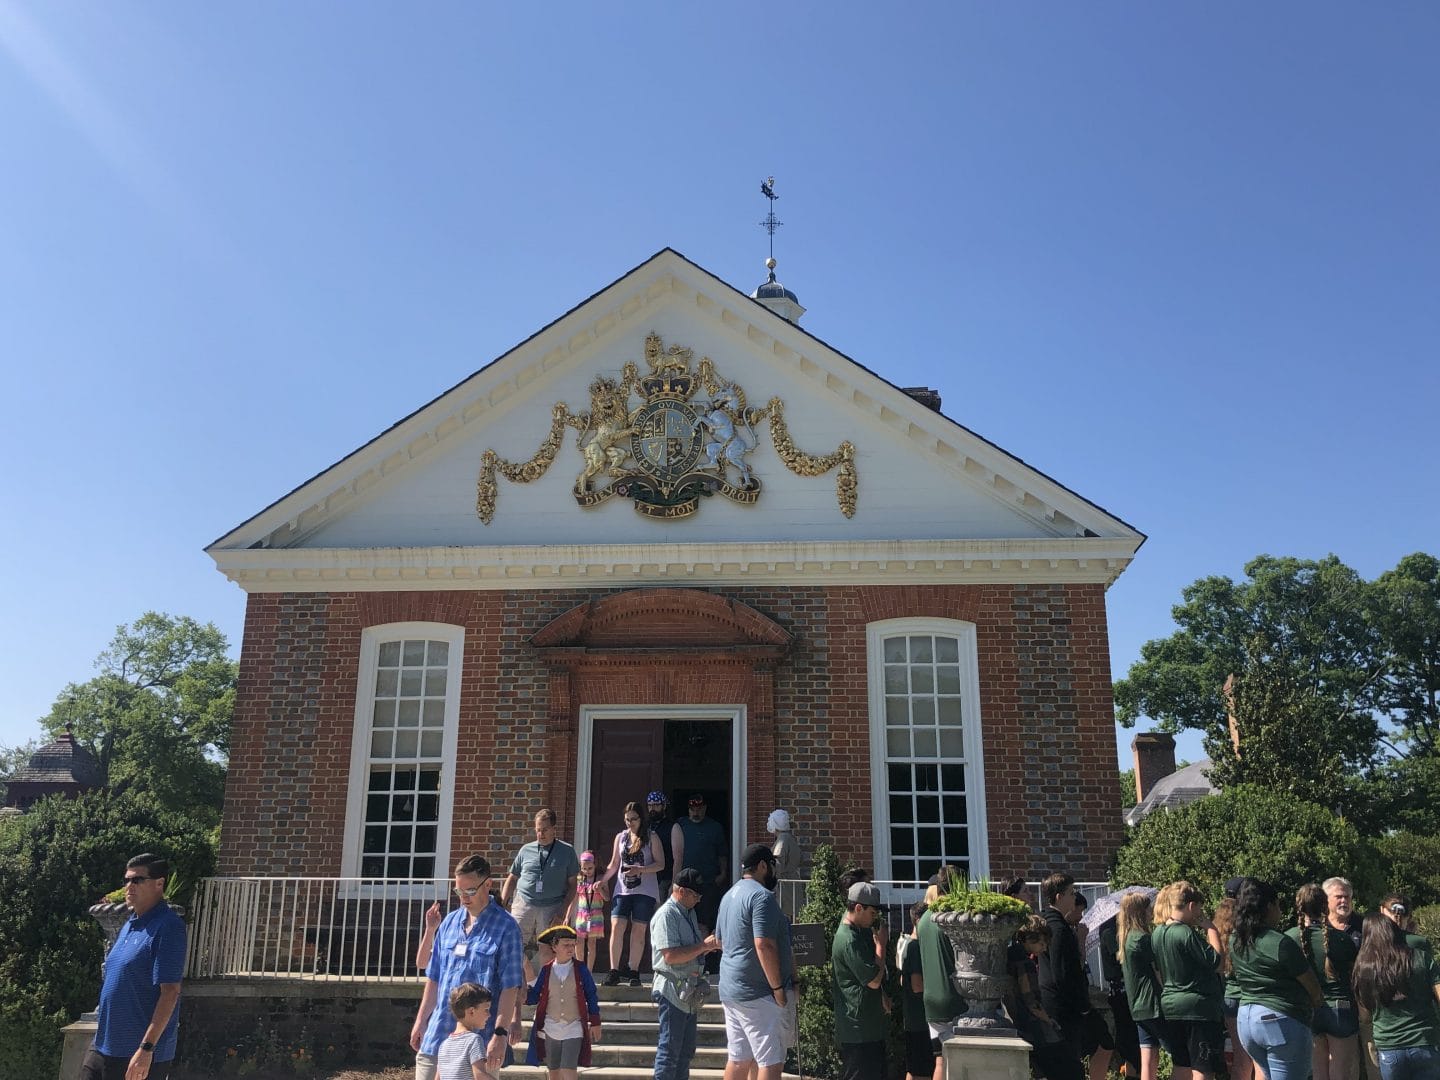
[{"x": 672, "y": 448}]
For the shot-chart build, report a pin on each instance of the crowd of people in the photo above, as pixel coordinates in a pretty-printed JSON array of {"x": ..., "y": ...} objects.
[
  {"x": 1334, "y": 997},
  {"x": 664, "y": 885}
]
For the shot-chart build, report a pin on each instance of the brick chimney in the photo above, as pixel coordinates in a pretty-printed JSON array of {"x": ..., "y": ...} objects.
[{"x": 1154, "y": 760}]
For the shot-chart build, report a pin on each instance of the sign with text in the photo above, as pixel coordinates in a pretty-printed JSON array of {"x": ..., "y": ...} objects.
[{"x": 807, "y": 942}]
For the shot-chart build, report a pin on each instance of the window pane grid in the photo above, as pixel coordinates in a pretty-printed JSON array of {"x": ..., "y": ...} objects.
[
  {"x": 925, "y": 758},
  {"x": 402, "y": 804}
]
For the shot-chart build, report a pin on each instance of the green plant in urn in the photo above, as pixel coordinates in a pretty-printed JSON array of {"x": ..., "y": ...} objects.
[{"x": 979, "y": 923}]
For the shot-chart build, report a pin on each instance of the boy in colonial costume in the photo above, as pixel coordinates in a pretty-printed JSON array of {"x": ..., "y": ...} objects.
[{"x": 567, "y": 1009}]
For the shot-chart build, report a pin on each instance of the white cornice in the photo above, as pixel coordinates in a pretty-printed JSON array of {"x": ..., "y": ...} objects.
[
  {"x": 877, "y": 562},
  {"x": 669, "y": 278}
]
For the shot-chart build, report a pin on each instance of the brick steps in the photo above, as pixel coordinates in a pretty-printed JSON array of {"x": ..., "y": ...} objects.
[{"x": 631, "y": 1029}]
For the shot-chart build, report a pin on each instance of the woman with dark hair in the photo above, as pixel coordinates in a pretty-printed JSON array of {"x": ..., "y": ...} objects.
[
  {"x": 1241, "y": 1067},
  {"x": 637, "y": 857},
  {"x": 1331, "y": 954},
  {"x": 1397, "y": 981},
  {"x": 1191, "y": 992},
  {"x": 1276, "y": 986}
]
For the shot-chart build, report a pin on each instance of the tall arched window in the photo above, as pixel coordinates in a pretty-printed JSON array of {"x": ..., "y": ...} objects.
[
  {"x": 402, "y": 775},
  {"x": 927, "y": 773}
]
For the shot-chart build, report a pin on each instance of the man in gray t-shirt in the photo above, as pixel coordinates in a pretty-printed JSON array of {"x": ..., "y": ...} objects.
[
  {"x": 541, "y": 884},
  {"x": 755, "y": 979}
]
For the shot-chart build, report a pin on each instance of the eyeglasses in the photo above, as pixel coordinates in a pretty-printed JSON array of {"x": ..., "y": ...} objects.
[
  {"x": 136, "y": 880},
  {"x": 468, "y": 893}
]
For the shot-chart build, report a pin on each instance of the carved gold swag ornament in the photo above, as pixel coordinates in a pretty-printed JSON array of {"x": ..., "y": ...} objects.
[{"x": 673, "y": 449}]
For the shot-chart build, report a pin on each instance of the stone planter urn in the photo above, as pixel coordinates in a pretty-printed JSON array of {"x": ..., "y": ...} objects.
[
  {"x": 111, "y": 916},
  {"x": 982, "y": 976}
]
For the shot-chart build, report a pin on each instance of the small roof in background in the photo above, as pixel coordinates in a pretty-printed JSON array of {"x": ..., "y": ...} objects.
[
  {"x": 61, "y": 761},
  {"x": 1179, "y": 788}
]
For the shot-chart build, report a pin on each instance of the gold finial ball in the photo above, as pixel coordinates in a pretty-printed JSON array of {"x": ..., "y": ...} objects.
[{"x": 770, "y": 264}]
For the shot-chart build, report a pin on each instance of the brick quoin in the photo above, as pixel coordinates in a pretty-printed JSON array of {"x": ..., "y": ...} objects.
[{"x": 793, "y": 655}]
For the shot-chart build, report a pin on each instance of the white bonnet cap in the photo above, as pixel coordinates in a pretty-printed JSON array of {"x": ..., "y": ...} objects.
[{"x": 779, "y": 821}]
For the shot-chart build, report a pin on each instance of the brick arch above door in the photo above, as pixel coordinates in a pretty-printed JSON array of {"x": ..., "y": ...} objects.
[
  {"x": 663, "y": 618},
  {"x": 657, "y": 647}
]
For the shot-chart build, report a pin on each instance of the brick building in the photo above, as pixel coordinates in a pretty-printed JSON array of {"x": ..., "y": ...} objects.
[{"x": 674, "y": 541}]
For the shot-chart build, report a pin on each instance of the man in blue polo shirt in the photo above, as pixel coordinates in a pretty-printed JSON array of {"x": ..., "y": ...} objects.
[
  {"x": 479, "y": 943},
  {"x": 139, "y": 1002}
]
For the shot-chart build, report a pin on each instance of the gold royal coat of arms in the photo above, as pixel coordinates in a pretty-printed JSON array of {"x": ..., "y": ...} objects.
[{"x": 672, "y": 449}]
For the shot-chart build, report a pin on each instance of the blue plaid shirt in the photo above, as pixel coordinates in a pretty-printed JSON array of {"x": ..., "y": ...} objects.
[{"x": 493, "y": 957}]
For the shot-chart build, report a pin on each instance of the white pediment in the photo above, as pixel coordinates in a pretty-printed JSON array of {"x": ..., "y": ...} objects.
[{"x": 922, "y": 479}]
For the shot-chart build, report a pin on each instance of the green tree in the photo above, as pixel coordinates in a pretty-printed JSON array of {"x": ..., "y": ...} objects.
[
  {"x": 56, "y": 860},
  {"x": 1250, "y": 831},
  {"x": 1412, "y": 866},
  {"x": 157, "y": 717},
  {"x": 1406, "y": 611},
  {"x": 12, "y": 758},
  {"x": 1292, "y": 656},
  {"x": 1127, "y": 789}
]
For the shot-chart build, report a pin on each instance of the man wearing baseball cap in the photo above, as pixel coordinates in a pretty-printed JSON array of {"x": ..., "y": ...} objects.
[
  {"x": 857, "y": 962},
  {"x": 678, "y": 951},
  {"x": 657, "y": 809},
  {"x": 698, "y": 843},
  {"x": 755, "y": 976}
]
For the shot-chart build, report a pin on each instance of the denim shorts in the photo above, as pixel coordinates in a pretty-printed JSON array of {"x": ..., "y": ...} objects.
[
  {"x": 634, "y": 906},
  {"x": 1337, "y": 1019},
  {"x": 1149, "y": 1033}
]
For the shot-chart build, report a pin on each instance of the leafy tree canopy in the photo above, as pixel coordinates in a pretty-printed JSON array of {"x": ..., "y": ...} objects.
[
  {"x": 1330, "y": 683},
  {"x": 157, "y": 717}
]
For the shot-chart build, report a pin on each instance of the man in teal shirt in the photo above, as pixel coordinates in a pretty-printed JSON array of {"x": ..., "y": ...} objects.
[
  {"x": 698, "y": 843},
  {"x": 857, "y": 965}
]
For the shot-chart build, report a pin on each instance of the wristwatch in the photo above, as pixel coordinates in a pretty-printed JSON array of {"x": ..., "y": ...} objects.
[
  {"x": 502, "y": 1031},
  {"x": 148, "y": 1047}
]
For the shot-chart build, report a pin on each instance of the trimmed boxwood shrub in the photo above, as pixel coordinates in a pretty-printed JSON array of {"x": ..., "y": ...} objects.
[{"x": 1247, "y": 830}]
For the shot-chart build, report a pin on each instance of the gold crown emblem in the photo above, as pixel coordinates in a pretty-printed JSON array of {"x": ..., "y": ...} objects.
[{"x": 669, "y": 371}]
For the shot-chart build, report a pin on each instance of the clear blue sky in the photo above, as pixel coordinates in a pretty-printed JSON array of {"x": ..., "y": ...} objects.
[{"x": 1185, "y": 258}]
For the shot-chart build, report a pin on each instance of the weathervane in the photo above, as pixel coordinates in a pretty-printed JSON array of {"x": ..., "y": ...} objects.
[{"x": 771, "y": 222}]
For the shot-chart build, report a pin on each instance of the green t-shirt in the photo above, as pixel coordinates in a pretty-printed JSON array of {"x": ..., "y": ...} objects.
[
  {"x": 1142, "y": 985},
  {"x": 1268, "y": 972},
  {"x": 859, "y": 1014},
  {"x": 1413, "y": 1020},
  {"x": 1338, "y": 947},
  {"x": 913, "y": 1003},
  {"x": 943, "y": 1002},
  {"x": 1190, "y": 985}
]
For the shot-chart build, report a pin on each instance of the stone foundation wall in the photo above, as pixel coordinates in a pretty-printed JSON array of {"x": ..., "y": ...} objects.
[{"x": 365, "y": 1023}]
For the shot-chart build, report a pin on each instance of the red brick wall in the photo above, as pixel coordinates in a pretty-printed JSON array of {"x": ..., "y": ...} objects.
[{"x": 1046, "y": 709}]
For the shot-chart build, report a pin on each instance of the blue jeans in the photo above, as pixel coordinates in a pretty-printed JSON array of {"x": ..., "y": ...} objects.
[
  {"x": 677, "y": 1040},
  {"x": 1409, "y": 1063},
  {"x": 1279, "y": 1044}
]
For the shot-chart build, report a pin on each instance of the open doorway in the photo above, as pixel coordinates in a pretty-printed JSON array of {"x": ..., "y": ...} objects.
[{"x": 630, "y": 755}]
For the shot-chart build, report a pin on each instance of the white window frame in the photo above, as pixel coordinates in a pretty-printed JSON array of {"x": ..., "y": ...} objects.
[
  {"x": 371, "y": 638},
  {"x": 965, "y": 634}
]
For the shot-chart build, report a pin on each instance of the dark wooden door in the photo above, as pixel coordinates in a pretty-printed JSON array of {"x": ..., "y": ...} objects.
[{"x": 627, "y": 762}]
